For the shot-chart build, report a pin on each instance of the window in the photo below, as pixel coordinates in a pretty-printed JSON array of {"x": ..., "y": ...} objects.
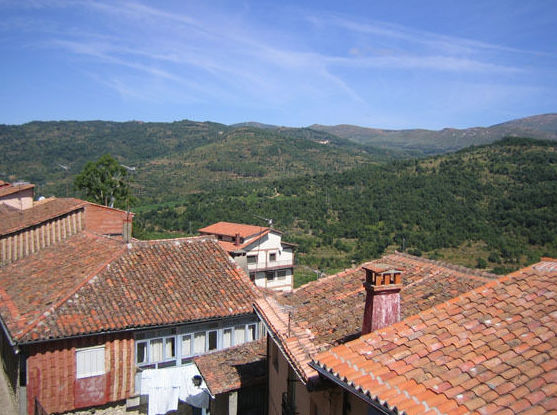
[
  {"x": 252, "y": 259},
  {"x": 227, "y": 338},
  {"x": 186, "y": 345},
  {"x": 175, "y": 346},
  {"x": 251, "y": 333},
  {"x": 239, "y": 335},
  {"x": 270, "y": 275},
  {"x": 281, "y": 274},
  {"x": 273, "y": 256},
  {"x": 156, "y": 350},
  {"x": 89, "y": 362},
  {"x": 141, "y": 353},
  {"x": 169, "y": 348},
  {"x": 252, "y": 276},
  {"x": 199, "y": 343},
  {"x": 212, "y": 340}
]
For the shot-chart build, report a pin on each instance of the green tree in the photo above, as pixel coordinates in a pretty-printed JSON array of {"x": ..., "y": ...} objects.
[{"x": 104, "y": 182}]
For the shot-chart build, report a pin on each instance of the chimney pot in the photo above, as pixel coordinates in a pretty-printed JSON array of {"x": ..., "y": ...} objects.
[{"x": 383, "y": 283}]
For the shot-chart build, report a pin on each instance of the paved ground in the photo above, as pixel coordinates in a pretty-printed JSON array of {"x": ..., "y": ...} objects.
[{"x": 7, "y": 405}]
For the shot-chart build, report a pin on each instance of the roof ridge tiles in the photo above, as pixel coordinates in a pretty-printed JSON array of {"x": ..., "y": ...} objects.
[
  {"x": 454, "y": 267},
  {"x": 150, "y": 242},
  {"x": 344, "y": 273}
]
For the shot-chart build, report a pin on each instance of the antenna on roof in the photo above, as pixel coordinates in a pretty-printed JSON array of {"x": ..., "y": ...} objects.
[
  {"x": 268, "y": 220},
  {"x": 127, "y": 234},
  {"x": 67, "y": 170}
]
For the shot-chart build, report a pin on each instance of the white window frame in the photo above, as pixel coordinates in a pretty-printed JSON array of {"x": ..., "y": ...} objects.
[
  {"x": 97, "y": 353},
  {"x": 147, "y": 352},
  {"x": 254, "y": 332},
  {"x": 179, "y": 334}
]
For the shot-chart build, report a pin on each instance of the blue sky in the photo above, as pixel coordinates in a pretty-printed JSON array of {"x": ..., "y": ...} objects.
[{"x": 386, "y": 64}]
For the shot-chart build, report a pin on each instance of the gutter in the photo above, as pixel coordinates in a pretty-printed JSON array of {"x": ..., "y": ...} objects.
[
  {"x": 7, "y": 333},
  {"x": 366, "y": 398}
]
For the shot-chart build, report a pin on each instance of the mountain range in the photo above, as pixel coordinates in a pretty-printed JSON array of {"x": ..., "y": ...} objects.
[
  {"x": 448, "y": 139},
  {"x": 424, "y": 141},
  {"x": 181, "y": 157}
]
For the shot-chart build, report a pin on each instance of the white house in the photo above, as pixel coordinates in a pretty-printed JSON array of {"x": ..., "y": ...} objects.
[{"x": 260, "y": 250}]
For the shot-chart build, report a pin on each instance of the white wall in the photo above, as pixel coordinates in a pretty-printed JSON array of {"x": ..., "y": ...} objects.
[{"x": 263, "y": 249}]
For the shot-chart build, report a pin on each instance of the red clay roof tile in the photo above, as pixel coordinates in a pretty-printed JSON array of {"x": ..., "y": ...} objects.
[
  {"x": 329, "y": 311},
  {"x": 234, "y": 368},
  {"x": 516, "y": 383},
  {"x": 8, "y": 189},
  {"x": 231, "y": 229},
  {"x": 44, "y": 210},
  {"x": 90, "y": 283}
]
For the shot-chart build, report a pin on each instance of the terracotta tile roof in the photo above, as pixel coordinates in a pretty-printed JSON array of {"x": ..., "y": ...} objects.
[
  {"x": 32, "y": 286},
  {"x": 89, "y": 283},
  {"x": 8, "y": 189},
  {"x": 493, "y": 349},
  {"x": 40, "y": 212},
  {"x": 329, "y": 311},
  {"x": 231, "y": 229},
  {"x": 234, "y": 368}
]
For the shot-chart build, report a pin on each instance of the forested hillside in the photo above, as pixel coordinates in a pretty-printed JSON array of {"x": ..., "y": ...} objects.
[
  {"x": 493, "y": 206},
  {"x": 172, "y": 159}
]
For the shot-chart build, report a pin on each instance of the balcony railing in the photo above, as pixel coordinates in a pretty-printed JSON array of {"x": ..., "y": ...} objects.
[{"x": 262, "y": 266}]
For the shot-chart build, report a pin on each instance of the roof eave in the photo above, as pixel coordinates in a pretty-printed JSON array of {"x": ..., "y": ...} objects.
[
  {"x": 355, "y": 391},
  {"x": 277, "y": 341}
]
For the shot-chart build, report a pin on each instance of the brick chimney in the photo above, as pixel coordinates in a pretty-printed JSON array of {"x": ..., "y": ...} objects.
[
  {"x": 383, "y": 284},
  {"x": 237, "y": 240},
  {"x": 127, "y": 229}
]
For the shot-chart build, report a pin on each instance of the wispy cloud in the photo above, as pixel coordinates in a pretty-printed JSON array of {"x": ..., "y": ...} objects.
[
  {"x": 196, "y": 53},
  {"x": 430, "y": 40}
]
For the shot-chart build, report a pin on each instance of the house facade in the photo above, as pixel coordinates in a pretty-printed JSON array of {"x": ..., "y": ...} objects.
[
  {"x": 259, "y": 250},
  {"x": 90, "y": 319},
  {"x": 335, "y": 310},
  {"x": 17, "y": 195}
]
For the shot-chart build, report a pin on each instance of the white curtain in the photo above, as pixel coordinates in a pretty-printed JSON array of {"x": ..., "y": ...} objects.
[
  {"x": 227, "y": 338},
  {"x": 239, "y": 335},
  {"x": 199, "y": 342},
  {"x": 156, "y": 350},
  {"x": 186, "y": 345}
]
